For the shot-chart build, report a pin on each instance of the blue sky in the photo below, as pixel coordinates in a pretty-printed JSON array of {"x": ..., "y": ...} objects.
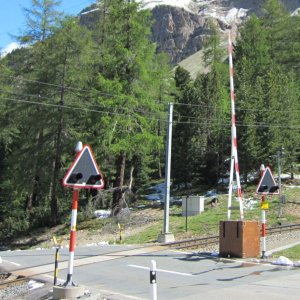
[{"x": 12, "y": 15}]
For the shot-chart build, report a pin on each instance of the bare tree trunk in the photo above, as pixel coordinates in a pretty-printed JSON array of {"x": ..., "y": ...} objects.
[
  {"x": 131, "y": 178},
  {"x": 58, "y": 150},
  {"x": 32, "y": 199},
  {"x": 119, "y": 182}
]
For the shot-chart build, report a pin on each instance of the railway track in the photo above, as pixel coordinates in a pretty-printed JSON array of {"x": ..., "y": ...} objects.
[
  {"x": 213, "y": 240},
  {"x": 8, "y": 279}
]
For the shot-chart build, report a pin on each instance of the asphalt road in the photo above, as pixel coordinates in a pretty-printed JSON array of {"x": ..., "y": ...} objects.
[{"x": 116, "y": 274}]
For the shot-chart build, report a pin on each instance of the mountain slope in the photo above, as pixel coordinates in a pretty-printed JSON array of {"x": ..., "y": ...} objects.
[{"x": 180, "y": 26}]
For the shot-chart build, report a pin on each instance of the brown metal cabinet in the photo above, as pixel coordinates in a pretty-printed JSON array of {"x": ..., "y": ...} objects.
[{"x": 239, "y": 239}]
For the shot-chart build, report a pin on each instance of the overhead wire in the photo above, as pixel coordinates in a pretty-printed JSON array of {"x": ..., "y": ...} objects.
[
  {"x": 117, "y": 95},
  {"x": 94, "y": 91},
  {"x": 140, "y": 109},
  {"x": 149, "y": 113},
  {"x": 262, "y": 125},
  {"x": 78, "y": 108}
]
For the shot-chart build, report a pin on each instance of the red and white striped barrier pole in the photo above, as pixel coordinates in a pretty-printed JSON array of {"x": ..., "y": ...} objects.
[
  {"x": 263, "y": 228},
  {"x": 233, "y": 135},
  {"x": 72, "y": 237}
]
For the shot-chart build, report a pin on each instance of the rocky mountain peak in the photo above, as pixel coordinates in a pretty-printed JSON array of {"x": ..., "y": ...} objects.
[{"x": 180, "y": 26}]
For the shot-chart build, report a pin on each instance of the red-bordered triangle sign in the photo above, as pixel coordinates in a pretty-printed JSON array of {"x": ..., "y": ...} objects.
[
  {"x": 267, "y": 184},
  {"x": 84, "y": 172}
]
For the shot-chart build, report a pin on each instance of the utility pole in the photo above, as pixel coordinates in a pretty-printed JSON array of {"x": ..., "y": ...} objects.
[
  {"x": 166, "y": 236},
  {"x": 280, "y": 153}
]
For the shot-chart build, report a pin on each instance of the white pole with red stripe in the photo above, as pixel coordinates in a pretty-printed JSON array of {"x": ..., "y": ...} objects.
[
  {"x": 263, "y": 216},
  {"x": 234, "y": 152},
  {"x": 230, "y": 184},
  {"x": 263, "y": 228},
  {"x": 72, "y": 237},
  {"x": 78, "y": 148}
]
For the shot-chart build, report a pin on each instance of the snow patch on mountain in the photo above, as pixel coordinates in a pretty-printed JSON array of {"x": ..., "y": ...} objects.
[
  {"x": 179, "y": 3},
  {"x": 203, "y": 8}
]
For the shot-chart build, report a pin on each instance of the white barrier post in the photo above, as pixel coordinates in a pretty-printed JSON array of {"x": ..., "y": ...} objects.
[
  {"x": 153, "y": 280},
  {"x": 263, "y": 228},
  {"x": 234, "y": 151}
]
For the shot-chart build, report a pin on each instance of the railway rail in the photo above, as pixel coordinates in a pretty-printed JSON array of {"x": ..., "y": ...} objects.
[
  {"x": 9, "y": 279},
  {"x": 213, "y": 240}
]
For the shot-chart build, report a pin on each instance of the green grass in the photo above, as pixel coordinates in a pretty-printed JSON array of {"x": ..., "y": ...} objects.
[
  {"x": 292, "y": 253},
  {"x": 207, "y": 223},
  {"x": 204, "y": 224}
]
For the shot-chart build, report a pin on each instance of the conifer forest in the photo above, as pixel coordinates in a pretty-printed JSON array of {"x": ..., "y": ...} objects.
[{"x": 106, "y": 85}]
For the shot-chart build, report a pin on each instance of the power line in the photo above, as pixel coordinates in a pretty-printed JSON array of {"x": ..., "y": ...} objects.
[
  {"x": 237, "y": 109},
  {"x": 59, "y": 86},
  {"x": 175, "y": 104},
  {"x": 71, "y": 88},
  {"x": 263, "y": 125},
  {"x": 79, "y": 108},
  {"x": 140, "y": 109},
  {"x": 116, "y": 95}
]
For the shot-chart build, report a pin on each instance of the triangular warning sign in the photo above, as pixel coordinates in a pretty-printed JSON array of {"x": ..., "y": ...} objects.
[
  {"x": 267, "y": 184},
  {"x": 84, "y": 172}
]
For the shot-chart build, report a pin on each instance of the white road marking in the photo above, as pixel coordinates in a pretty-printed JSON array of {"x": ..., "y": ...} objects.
[
  {"x": 125, "y": 296},
  {"x": 161, "y": 270},
  {"x": 13, "y": 263},
  {"x": 52, "y": 277}
]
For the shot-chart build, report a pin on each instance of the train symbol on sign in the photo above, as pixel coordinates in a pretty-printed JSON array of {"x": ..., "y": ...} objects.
[
  {"x": 84, "y": 172},
  {"x": 267, "y": 184}
]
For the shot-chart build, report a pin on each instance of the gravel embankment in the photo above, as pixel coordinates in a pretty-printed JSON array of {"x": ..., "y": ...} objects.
[
  {"x": 274, "y": 242},
  {"x": 12, "y": 291}
]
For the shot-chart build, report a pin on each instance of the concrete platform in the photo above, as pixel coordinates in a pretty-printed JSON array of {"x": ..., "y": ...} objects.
[
  {"x": 68, "y": 292},
  {"x": 166, "y": 238}
]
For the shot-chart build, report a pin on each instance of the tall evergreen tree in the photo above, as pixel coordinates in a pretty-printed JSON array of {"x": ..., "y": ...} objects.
[
  {"x": 42, "y": 18},
  {"x": 51, "y": 118},
  {"x": 126, "y": 73},
  {"x": 261, "y": 91}
]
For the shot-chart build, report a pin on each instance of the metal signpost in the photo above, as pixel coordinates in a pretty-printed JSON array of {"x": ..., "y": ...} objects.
[
  {"x": 84, "y": 173},
  {"x": 167, "y": 236},
  {"x": 266, "y": 186}
]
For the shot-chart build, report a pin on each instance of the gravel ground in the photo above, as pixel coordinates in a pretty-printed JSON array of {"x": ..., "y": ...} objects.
[
  {"x": 13, "y": 291},
  {"x": 274, "y": 242}
]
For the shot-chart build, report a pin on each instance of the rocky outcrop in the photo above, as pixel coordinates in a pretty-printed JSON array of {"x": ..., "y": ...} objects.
[
  {"x": 180, "y": 29},
  {"x": 178, "y": 32},
  {"x": 181, "y": 33}
]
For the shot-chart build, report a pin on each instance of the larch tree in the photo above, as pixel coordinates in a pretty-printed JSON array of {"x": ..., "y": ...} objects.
[
  {"x": 41, "y": 20},
  {"x": 126, "y": 74}
]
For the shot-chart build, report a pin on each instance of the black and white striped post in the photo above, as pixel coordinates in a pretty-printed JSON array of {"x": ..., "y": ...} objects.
[
  {"x": 57, "y": 247},
  {"x": 153, "y": 280}
]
